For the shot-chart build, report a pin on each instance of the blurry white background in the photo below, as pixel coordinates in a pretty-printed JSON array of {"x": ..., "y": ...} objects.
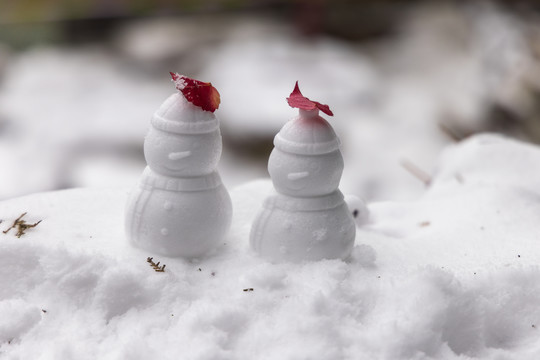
[{"x": 404, "y": 79}]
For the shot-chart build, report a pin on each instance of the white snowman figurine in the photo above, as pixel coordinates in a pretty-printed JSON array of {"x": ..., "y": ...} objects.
[
  {"x": 181, "y": 207},
  {"x": 306, "y": 218}
]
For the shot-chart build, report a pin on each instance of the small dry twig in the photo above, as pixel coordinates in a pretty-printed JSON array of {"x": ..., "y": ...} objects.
[
  {"x": 155, "y": 266},
  {"x": 451, "y": 132},
  {"x": 416, "y": 172},
  {"x": 21, "y": 226}
]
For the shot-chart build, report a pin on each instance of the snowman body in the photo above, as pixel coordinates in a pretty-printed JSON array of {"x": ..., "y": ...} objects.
[
  {"x": 293, "y": 229},
  {"x": 306, "y": 218},
  {"x": 180, "y": 207}
]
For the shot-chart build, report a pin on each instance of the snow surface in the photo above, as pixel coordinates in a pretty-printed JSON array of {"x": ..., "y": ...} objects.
[{"x": 453, "y": 275}]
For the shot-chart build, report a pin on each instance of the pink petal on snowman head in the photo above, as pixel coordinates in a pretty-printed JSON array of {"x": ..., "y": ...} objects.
[
  {"x": 199, "y": 93},
  {"x": 297, "y": 100}
]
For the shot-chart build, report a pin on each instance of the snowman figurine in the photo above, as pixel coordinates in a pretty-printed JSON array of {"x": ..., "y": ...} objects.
[
  {"x": 306, "y": 218},
  {"x": 181, "y": 207}
]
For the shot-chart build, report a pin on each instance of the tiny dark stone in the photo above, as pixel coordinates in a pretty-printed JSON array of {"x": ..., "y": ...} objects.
[{"x": 355, "y": 213}]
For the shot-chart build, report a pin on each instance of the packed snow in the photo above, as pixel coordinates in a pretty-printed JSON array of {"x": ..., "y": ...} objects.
[{"x": 453, "y": 275}]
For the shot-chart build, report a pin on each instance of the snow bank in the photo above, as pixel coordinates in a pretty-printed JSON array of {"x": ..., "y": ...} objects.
[
  {"x": 71, "y": 124},
  {"x": 453, "y": 275}
]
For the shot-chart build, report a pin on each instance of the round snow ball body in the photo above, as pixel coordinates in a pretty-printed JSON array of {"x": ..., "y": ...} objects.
[
  {"x": 188, "y": 223},
  {"x": 288, "y": 230},
  {"x": 185, "y": 155},
  {"x": 358, "y": 209},
  {"x": 306, "y": 160},
  {"x": 305, "y": 175}
]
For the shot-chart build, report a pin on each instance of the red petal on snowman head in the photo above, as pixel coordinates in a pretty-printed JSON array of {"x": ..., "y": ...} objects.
[
  {"x": 201, "y": 94},
  {"x": 297, "y": 100}
]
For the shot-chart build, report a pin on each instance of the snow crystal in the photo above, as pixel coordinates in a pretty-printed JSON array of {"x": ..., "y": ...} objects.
[{"x": 179, "y": 81}]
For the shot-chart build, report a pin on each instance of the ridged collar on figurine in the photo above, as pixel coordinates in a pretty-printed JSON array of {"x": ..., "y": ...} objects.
[
  {"x": 289, "y": 203},
  {"x": 162, "y": 182}
]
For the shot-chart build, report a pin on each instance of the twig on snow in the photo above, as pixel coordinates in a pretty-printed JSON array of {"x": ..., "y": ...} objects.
[
  {"x": 416, "y": 171},
  {"x": 155, "y": 266},
  {"x": 21, "y": 226}
]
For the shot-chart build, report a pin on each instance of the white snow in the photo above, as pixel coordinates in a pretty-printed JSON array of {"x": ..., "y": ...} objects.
[
  {"x": 179, "y": 81},
  {"x": 453, "y": 275},
  {"x": 62, "y": 127}
]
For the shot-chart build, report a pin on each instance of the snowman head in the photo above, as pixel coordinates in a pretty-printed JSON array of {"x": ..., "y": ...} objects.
[
  {"x": 184, "y": 140},
  {"x": 306, "y": 160}
]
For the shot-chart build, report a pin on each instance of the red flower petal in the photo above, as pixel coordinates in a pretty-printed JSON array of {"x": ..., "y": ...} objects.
[
  {"x": 297, "y": 100},
  {"x": 201, "y": 94}
]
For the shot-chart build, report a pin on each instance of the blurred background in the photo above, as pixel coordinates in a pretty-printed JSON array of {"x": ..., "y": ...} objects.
[{"x": 80, "y": 80}]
